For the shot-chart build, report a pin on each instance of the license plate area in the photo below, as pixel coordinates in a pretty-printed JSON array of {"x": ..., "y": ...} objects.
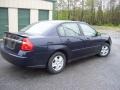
[{"x": 10, "y": 44}]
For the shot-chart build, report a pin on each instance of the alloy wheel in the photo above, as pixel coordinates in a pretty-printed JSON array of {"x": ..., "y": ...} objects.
[{"x": 58, "y": 62}]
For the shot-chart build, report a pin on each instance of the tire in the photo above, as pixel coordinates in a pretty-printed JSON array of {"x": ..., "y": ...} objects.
[
  {"x": 105, "y": 50},
  {"x": 56, "y": 63}
]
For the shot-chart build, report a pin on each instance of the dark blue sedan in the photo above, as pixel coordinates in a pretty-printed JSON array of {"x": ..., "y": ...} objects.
[{"x": 52, "y": 44}]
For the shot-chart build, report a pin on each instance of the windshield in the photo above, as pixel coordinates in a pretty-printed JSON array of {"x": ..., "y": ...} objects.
[{"x": 38, "y": 28}]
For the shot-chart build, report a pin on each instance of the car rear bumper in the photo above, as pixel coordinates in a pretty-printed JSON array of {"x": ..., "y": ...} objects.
[{"x": 21, "y": 61}]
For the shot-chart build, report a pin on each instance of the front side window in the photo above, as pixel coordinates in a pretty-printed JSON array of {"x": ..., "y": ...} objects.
[
  {"x": 87, "y": 30},
  {"x": 69, "y": 29}
]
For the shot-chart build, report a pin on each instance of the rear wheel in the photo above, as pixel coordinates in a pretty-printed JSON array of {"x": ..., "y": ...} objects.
[
  {"x": 105, "y": 50},
  {"x": 56, "y": 62}
]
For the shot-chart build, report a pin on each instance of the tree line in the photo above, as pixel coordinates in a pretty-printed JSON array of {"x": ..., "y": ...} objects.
[{"x": 96, "y": 12}]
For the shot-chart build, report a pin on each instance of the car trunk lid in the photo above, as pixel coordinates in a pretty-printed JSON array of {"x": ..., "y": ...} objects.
[{"x": 13, "y": 41}]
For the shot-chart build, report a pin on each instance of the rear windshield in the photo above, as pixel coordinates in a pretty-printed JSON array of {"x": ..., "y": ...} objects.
[{"x": 38, "y": 28}]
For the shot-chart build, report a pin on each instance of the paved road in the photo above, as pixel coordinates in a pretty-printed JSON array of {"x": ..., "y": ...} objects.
[{"x": 92, "y": 73}]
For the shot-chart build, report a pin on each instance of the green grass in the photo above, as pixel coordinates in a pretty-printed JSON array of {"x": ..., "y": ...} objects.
[{"x": 107, "y": 27}]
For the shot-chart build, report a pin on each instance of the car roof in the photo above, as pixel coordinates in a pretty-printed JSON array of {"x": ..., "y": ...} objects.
[{"x": 60, "y": 21}]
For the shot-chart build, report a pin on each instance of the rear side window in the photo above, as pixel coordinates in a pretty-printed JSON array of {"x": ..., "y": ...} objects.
[
  {"x": 40, "y": 28},
  {"x": 69, "y": 29},
  {"x": 61, "y": 31}
]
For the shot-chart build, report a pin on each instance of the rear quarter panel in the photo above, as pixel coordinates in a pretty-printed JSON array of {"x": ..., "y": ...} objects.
[{"x": 47, "y": 45}]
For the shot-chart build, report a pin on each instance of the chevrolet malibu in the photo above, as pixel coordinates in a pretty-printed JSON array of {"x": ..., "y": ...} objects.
[{"x": 52, "y": 44}]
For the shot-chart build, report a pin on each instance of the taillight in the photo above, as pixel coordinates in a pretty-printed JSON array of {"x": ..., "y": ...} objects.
[{"x": 26, "y": 45}]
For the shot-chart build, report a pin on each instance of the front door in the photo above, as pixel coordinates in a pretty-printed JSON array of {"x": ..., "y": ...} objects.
[{"x": 92, "y": 42}]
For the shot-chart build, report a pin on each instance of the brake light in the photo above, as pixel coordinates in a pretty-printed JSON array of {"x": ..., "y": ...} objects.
[{"x": 26, "y": 45}]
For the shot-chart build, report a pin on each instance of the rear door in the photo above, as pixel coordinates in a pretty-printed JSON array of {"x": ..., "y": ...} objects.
[
  {"x": 92, "y": 42},
  {"x": 71, "y": 36}
]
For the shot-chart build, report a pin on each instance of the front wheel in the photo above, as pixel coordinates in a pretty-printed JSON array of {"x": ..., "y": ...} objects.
[
  {"x": 105, "y": 50},
  {"x": 56, "y": 62}
]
